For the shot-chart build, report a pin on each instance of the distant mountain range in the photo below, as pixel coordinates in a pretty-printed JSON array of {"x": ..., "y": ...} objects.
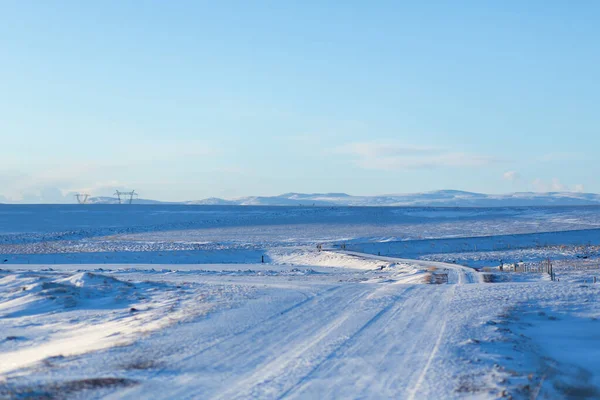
[{"x": 439, "y": 198}]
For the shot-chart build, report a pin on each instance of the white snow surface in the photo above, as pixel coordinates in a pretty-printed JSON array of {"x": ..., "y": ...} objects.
[{"x": 169, "y": 302}]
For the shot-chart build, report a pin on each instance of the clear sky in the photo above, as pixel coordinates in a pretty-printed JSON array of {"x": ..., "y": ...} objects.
[{"x": 183, "y": 100}]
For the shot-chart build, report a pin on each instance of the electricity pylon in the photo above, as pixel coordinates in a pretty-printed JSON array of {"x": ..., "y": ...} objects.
[
  {"x": 82, "y": 198},
  {"x": 122, "y": 196}
]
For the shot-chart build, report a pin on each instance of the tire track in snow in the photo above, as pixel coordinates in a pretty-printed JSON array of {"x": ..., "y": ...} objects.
[
  {"x": 277, "y": 365},
  {"x": 394, "y": 364},
  {"x": 267, "y": 344},
  {"x": 432, "y": 355},
  {"x": 271, "y": 378},
  {"x": 213, "y": 344},
  {"x": 395, "y": 305},
  {"x": 413, "y": 392}
]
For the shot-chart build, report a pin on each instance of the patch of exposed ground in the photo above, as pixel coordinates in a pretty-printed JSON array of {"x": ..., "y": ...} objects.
[{"x": 63, "y": 389}]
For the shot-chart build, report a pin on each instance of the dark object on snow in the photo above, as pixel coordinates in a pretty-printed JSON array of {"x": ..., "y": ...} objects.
[{"x": 133, "y": 309}]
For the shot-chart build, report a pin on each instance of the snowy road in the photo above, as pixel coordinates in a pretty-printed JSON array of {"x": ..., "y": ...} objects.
[
  {"x": 460, "y": 274},
  {"x": 347, "y": 340}
]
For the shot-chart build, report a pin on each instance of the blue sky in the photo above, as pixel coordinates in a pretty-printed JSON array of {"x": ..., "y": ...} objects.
[{"x": 190, "y": 99}]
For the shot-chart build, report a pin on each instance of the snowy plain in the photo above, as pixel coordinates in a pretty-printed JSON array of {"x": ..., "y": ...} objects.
[{"x": 170, "y": 301}]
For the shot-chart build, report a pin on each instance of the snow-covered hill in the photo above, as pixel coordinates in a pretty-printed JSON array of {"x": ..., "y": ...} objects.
[{"x": 439, "y": 198}]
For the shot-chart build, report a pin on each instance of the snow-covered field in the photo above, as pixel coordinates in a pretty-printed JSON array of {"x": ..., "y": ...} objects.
[{"x": 186, "y": 302}]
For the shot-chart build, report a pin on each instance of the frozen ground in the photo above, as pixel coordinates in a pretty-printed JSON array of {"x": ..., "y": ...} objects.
[{"x": 174, "y": 302}]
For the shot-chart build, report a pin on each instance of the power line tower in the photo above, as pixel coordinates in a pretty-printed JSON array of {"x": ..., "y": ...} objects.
[
  {"x": 122, "y": 196},
  {"x": 82, "y": 198}
]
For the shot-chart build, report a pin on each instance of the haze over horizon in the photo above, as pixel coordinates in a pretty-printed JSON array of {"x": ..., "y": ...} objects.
[
  {"x": 189, "y": 100},
  {"x": 437, "y": 198}
]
